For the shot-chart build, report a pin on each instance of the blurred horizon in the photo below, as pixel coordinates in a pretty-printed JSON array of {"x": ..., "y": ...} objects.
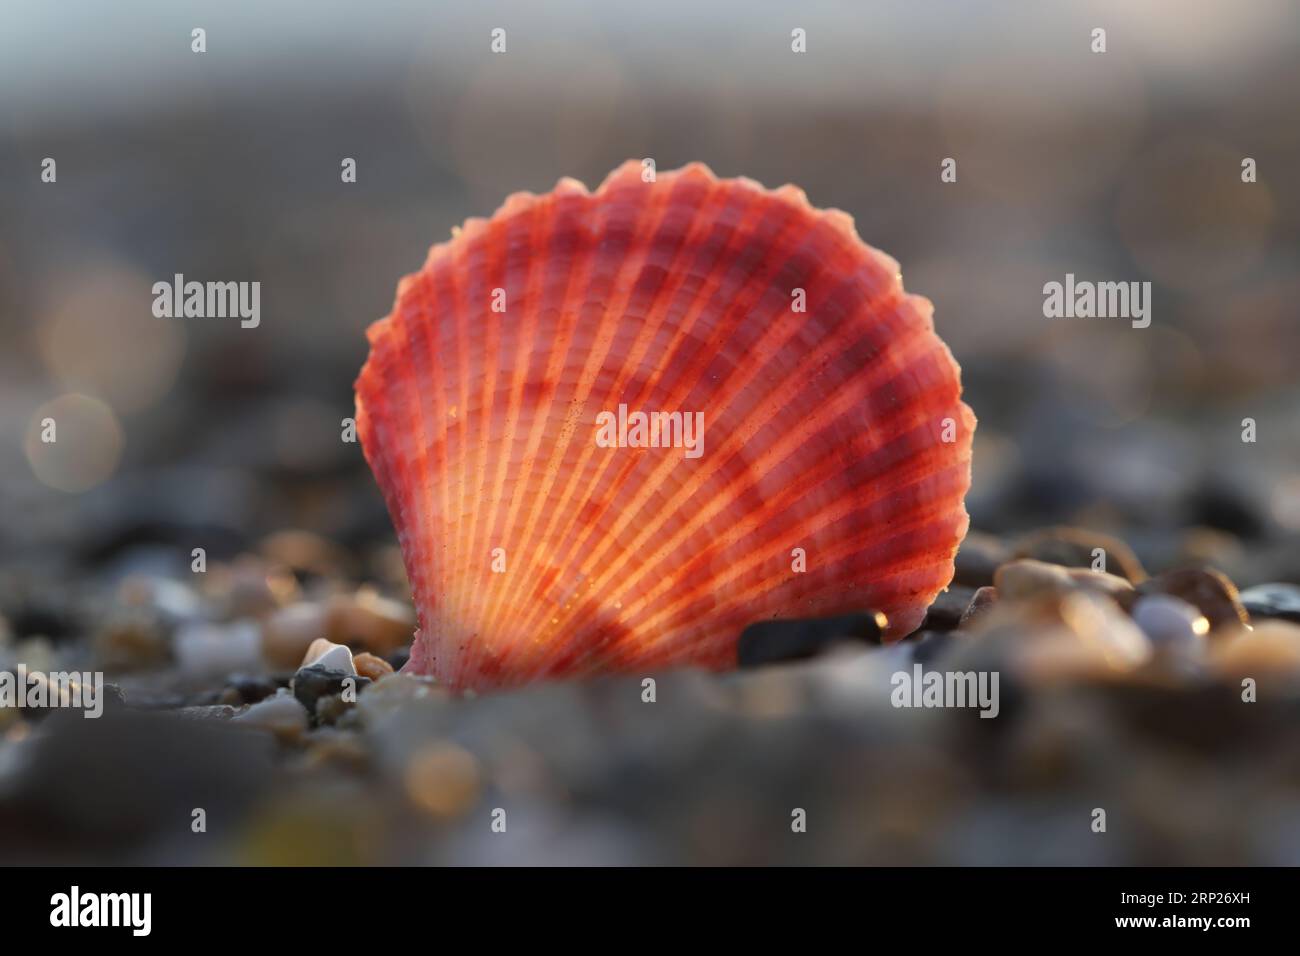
[
  {"x": 58, "y": 57},
  {"x": 1122, "y": 166}
]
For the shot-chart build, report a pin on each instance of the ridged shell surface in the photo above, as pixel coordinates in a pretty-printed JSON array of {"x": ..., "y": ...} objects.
[{"x": 544, "y": 536}]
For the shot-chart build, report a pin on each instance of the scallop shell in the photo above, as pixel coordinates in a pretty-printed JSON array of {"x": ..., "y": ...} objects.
[{"x": 835, "y": 452}]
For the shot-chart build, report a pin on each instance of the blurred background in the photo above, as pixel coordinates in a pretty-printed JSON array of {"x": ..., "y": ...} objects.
[{"x": 225, "y": 165}]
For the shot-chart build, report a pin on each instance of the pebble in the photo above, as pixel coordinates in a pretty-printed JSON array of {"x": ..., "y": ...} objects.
[
  {"x": 772, "y": 642},
  {"x": 173, "y": 601},
  {"x": 1173, "y": 625},
  {"x": 368, "y": 665},
  {"x": 1204, "y": 588},
  {"x": 307, "y": 553},
  {"x": 330, "y": 708},
  {"x": 63, "y": 695},
  {"x": 1028, "y": 577},
  {"x": 398, "y": 698},
  {"x": 1273, "y": 646},
  {"x": 1073, "y": 547},
  {"x": 334, "y": 747},
  {"x": 369, "y": 620},
  {"x": 282, "y": 714},
  {"x": 1100, "y": 622},
  {"x": 209, "y": 650},
  {"x": 208, "y": 712},
  {"x": 1054, "y": 636},
  {"x": 947, "y": 610},
  {"x": 251, "y": 689},
  {"x": 312, "y": 683},
  {"x": 1273, "y": 601},
  {"x": 980, "y": 602},
  {"x": 443, "y": 780},
  {"x": 288, "y": 632},
  {"x": 229, "y": 697},
  {"x": 928, "y": 646},
  {"x": 979, "y": 556},
  {"x": 132, "y": 639},
  {"x": 249, "y": 587},
  {"x": 36, "y": 652},
  {"x": 1102, "y": 582},
  {"x": 331, "y": 657}
]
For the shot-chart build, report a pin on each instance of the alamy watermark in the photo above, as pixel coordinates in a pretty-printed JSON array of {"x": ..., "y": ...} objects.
[
  {"x": 1101, "y": 300},
  {"x": 623, "y": 429},
  {"x": 75, "y": 908},
  {"x": 36, "y": 690},
  {"x": 209, "y": 300},
  {"x": 922, "y": 688}
]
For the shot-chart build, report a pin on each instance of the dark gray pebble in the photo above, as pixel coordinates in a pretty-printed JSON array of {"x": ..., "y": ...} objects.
[
  {"x": 1273, "y": 600},
  {"x": 948, "y": 607},
  {"x": 980, "y": 602},
  {"x": 979, "y": 556},
  {"x": 251, "y": 689},
  {"x": 771, "y": 642},
  {"x": 310, "y": 684},
  {"x": 929, "y": 645}
]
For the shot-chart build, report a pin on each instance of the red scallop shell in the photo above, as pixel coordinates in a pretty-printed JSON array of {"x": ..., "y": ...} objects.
[{"x": 838, "y": 430}]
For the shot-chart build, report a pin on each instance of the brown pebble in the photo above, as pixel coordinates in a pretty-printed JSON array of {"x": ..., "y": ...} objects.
[
  {"x": 1074, "y": 547},
  {"x": 368, "y": 665},
  {"x": 315, "y": 650},
  {"x": 249, "y": 586},
  {"x": 443, "y": 780},
  {"x": 132, "y": 640},
  {"x": 1053, "y": 635},
  {"x": 231, "y": 697},
  {"x": 1211, "y": 591},
  {"x": 306, "y": 553},
  {"x": 1028, "y": 577},
  {"x": 1103, "y": 582},
  {"x": 1272, "y": 647},
  {"x": 370, "y": 621},
  {"x": 289, "y": 632},
  {"x": 980, "y": 603},
  {"x": 330, "y": 746}
]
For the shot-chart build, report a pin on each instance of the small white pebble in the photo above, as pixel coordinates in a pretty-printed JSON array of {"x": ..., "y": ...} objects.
[
  {"x": 1171, "y": 624},
  {"x": 337, "y": 657}
]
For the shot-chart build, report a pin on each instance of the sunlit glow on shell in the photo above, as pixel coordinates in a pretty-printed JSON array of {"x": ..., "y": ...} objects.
[{"x": 835, "y": 454}]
